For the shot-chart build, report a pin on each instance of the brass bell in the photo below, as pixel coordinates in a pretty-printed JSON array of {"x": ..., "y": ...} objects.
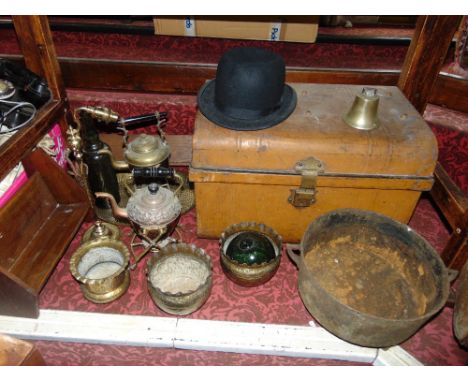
[{"x": 363, "y": 114}]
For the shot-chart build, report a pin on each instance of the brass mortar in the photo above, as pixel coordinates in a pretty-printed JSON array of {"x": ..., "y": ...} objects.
[
  {"x": 249, "y": 274},
  {"x": 101, "y": 267},
  {"x": 179, "y": 278}
]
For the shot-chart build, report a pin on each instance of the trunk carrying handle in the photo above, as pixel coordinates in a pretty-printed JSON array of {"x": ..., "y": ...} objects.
[{"x": 291, "y": 250}]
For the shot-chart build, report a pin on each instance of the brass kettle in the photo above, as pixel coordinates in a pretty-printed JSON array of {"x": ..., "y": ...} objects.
[{"x": 146, "y": 151}]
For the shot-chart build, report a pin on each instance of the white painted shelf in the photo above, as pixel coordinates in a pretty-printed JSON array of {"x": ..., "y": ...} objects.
[{"x": 191, "y": 334}]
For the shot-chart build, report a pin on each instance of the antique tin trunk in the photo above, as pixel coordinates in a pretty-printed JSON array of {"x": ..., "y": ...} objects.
[{"x": 312, "y": 163}]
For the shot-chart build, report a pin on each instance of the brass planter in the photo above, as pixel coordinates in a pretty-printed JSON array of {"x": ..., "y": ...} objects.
[
  {"x": 249, "y": 274},
  {"x": 101, "y": 267},
  {"x": 179, "y": 278}
]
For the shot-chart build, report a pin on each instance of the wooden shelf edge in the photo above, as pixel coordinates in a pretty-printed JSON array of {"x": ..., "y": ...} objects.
[
  {"x": 449, "y": 198},
  {"x": 168, "y": 77}
]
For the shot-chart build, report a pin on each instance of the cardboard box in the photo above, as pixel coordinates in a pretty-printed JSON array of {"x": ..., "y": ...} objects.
[{"x": 269, "y": 28}]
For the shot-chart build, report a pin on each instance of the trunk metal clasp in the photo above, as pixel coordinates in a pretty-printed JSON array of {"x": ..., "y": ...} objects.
[{"x": 305, "y": 195}]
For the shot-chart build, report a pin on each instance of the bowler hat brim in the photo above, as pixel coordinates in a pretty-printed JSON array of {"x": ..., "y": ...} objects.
[{"x": 207, "y": 106}]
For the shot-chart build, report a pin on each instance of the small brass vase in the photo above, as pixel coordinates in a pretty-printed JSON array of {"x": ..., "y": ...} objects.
[
  {"x": 101, "y": 267},
  {"x": 250, "y": 273}
]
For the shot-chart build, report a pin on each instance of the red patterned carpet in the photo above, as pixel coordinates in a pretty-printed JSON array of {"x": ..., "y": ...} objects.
[
  {"x": 126, "y": 47},
  {"x": 209, "y": 50}
]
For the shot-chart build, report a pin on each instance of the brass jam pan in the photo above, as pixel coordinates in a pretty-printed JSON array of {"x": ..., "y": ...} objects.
[{"x": 460, "y": 313}]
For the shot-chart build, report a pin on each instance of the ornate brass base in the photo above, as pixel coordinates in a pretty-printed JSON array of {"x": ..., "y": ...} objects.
[
  {"x": 142, "y": 239},
  {"x": 102, "y": 298}
]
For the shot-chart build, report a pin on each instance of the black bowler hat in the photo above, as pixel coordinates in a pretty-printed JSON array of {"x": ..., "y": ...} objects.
[{"x": 249, "y": 92}]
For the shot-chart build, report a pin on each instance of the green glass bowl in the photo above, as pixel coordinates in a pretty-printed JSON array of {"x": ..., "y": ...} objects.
[
  {"x": 250, "y": 253},
  {"x": 250, "y": 247}
]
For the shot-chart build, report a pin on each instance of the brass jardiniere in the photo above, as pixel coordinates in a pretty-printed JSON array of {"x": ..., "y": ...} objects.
[
  {"x": 179, "y": 278},
  {"x": 101, "y": 267}
]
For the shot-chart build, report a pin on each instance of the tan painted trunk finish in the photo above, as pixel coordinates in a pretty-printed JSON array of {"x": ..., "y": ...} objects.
[{"x": 247, "y": 176}]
